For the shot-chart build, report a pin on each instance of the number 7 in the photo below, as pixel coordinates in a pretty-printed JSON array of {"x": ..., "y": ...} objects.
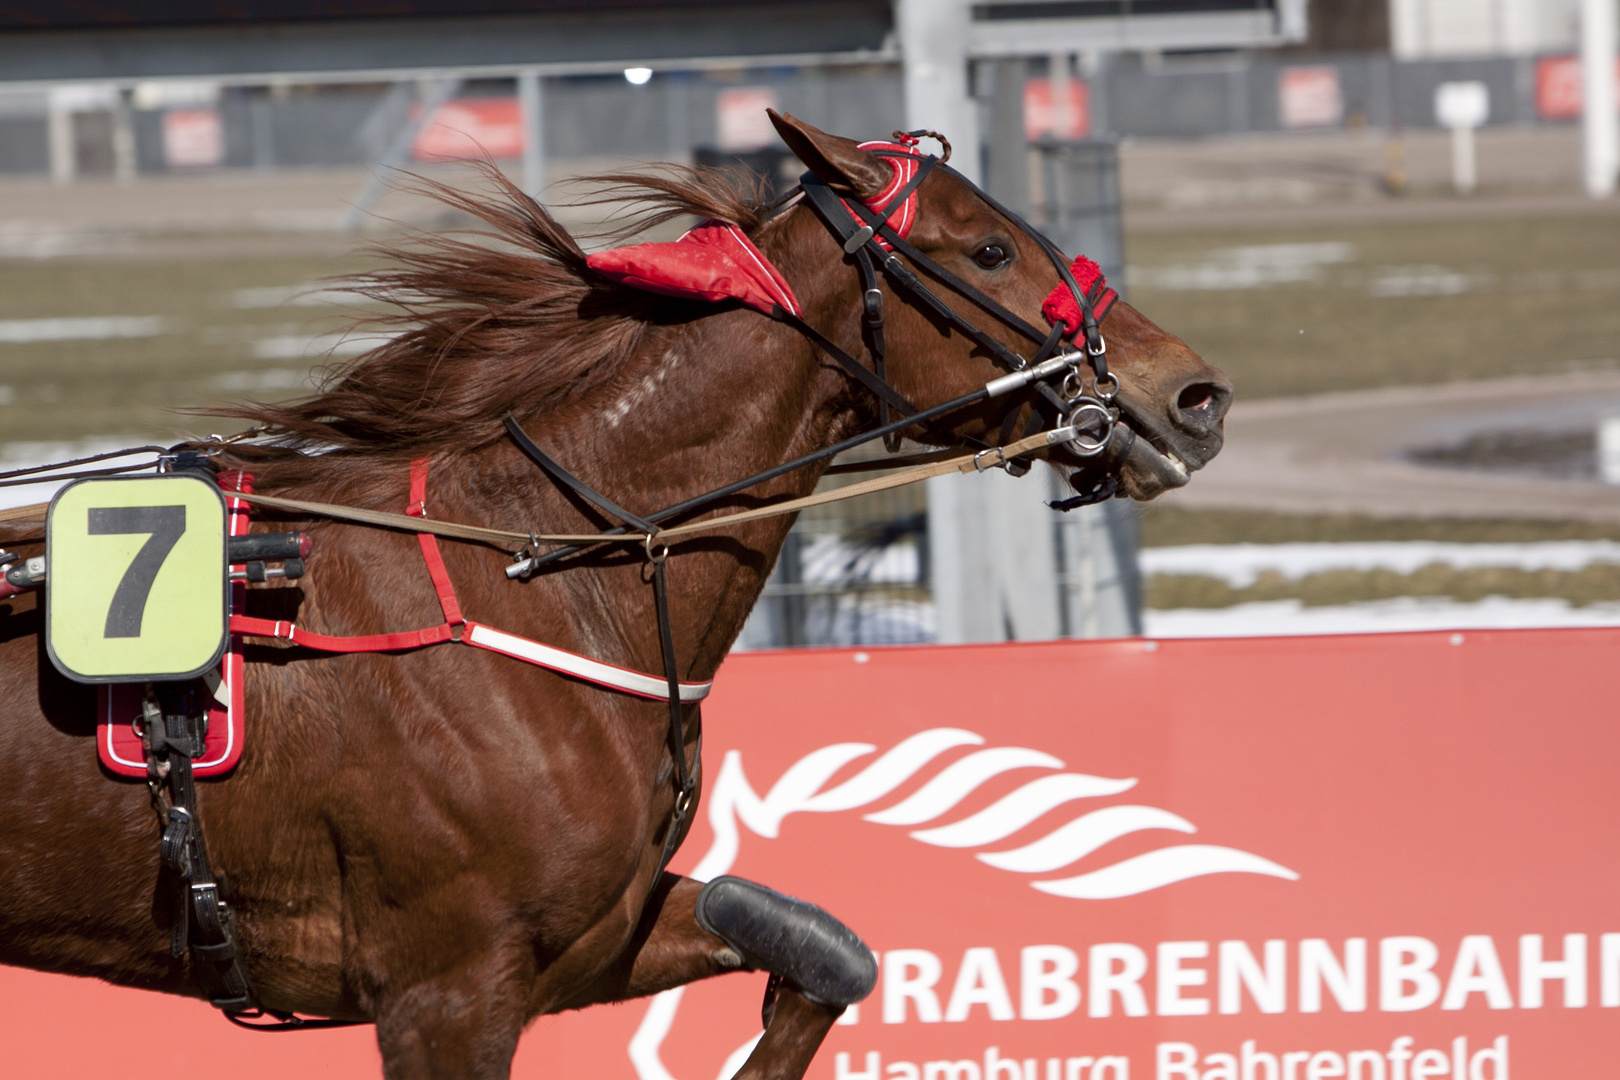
[{"x": 166, "y": 525}]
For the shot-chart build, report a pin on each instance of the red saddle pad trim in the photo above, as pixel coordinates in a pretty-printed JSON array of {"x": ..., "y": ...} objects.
[{"x": 119, "y": 704}]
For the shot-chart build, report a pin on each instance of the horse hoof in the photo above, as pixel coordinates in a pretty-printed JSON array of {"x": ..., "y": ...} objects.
[{"x": 796, "y": 940}]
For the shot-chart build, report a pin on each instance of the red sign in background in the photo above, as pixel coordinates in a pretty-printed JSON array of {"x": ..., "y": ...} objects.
[
  {"x": 1384, "y": 857},
  {"x": 467, "y": 129},
  {"x": 1558, "y": 87}
]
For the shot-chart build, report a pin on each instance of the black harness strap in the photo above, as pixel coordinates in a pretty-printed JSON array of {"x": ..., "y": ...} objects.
[
  {"x": 174, "y": 726},
  {"x": 872, "y": 328},
  {"x": 840, "y": 218},
  {"x": 1088, "y": 312},
  {"x": 685, "y": 782},
  {"x": 698, "y": 502},
  {"x": 886, "y": 394},
  {"x": 572, "y": 482}
]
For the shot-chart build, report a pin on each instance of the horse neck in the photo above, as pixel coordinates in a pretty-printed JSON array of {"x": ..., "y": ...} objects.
[
  {"x": 697, "y": 405},
  {"x": 730, "y": 393}
]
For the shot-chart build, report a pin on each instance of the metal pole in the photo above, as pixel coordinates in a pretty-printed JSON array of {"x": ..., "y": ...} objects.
[
  {"x": 1009, "y": 150},
  {"x": 123, "y": 140},
  {"x": 933, "y": 41},
  {"x": 1464, "y": 173},
  {"x": 531, "y": 114},
  {"x": 1057, "y": 77},
  {"x": 398, "y": 152},
  {"x": 59, "y": 133},
  {"x": 1598, "y": 121},
  {"x": 991, "y": 551}
]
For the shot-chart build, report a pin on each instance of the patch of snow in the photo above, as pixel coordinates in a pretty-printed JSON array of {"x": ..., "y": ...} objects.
[
  {"x": 1252, "y": 266},
  {"x": 1240, "y": 565},
  {"x": 1291, "y": 617},
  {"x": 80, "y": 328}
]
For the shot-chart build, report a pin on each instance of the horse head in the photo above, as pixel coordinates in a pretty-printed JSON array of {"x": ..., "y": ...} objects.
[{"x": 1171, "y": 403}]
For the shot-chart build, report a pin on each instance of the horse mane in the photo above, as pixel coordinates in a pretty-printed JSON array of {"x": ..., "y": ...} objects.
[{"x": 501, "y": 320}]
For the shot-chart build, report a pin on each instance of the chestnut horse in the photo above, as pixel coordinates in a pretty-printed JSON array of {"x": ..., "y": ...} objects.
[{"x": 448, "y": 843}]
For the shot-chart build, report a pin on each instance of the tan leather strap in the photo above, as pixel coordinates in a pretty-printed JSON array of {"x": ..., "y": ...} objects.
[{"x": 965, "y": 463}]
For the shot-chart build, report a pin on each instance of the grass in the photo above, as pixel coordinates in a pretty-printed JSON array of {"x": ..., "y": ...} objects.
[
  {"x": 1542, "y": 294},
  {"x": 1164, "y": 526},
  {"x": 1167, "y": 526},
  {"x": 63, "y": 390},
  {"x": 1593, "y": 584}
]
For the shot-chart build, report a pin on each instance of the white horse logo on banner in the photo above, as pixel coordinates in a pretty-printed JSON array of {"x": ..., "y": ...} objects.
[{"x": 733, "y": 803}]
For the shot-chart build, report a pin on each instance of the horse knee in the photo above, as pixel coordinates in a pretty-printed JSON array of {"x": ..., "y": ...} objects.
[{"x": 790, "y": 938}]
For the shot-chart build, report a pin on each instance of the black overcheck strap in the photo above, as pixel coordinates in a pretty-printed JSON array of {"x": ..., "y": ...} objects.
[
  {"x": 880, "y": 389},
  {"x": 1088, "y": 313},
  {"x": 574, "y": 483},
  {"x": 840, "y": 217}
]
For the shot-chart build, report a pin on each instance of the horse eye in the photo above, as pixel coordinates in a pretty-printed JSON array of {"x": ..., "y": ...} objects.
[{"x": 990, "y": 256}]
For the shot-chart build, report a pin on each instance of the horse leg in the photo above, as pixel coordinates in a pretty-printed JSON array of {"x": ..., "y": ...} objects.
[
  {"x": 462, "y": 1025},
  {"x": 692, "y": 931}
]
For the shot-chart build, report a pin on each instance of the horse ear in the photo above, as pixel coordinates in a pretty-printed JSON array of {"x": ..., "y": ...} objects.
[{"x": 840, "y": 162}]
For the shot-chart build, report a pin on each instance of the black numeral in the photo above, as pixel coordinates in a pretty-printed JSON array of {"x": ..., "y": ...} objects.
[{"x": 166, "y": 524}]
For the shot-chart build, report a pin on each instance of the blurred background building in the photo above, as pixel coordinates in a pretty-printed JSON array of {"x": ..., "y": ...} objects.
[{"x": 1275, "y": 180}]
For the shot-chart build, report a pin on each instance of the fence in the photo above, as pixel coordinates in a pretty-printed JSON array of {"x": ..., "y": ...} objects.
[
  {"x": 851, "y": 573},
  {"x": 670, "y": 113}
]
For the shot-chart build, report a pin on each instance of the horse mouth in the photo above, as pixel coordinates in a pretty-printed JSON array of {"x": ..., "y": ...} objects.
[
  {"x": 1163, "y": 465},
  {"x": 1147, "y": 462}
]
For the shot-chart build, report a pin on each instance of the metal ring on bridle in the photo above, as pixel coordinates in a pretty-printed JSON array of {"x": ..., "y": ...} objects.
[
  {"x": 1107, "y": 386},
  {"x": 655, "y": 556},
  {"x": 1084, "y": 443},
  {"x": 1074, "y": 386}
]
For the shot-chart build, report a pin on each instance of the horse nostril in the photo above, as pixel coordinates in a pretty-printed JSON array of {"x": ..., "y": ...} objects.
[
  {"x": 1203, "y": 403},
  {"x": 1197, "y": 396}
]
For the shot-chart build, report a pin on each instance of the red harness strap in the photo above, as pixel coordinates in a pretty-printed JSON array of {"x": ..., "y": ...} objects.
[
  {"x": 457, "y": 628},
  {"x": 430, "y": 550}
]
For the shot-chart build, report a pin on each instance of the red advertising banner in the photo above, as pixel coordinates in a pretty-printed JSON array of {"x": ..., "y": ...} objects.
[
  {"x": 1043, "y": 116},
  {"x": 467, "y": 129},
  {"x": 1309, "y": 97},
  {"x": 1381, "y": 857},
  {"x": 1558, "y": 87}
]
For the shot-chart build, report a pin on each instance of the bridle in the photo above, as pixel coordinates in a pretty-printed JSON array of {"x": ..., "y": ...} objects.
[{"x": 870, "y": 238}]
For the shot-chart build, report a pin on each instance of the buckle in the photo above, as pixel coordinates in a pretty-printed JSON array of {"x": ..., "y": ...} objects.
[{"x": 873, "y": 299}]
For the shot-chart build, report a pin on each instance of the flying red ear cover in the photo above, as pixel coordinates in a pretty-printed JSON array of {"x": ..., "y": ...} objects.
[{"x": 1060, "y": 305}]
